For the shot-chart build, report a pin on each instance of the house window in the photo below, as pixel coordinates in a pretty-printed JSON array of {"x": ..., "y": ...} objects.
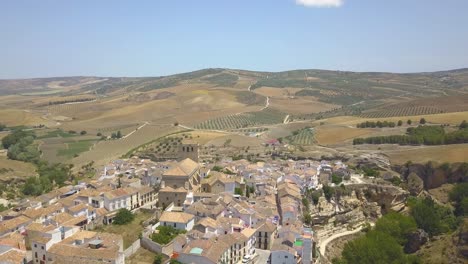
[
  {"x": 35, "y": 245},
  {"x": 285, "y": 256},
  {"x": 35, "y": 254},
  {"x": 42, "y": 247},
  {"x": 174, "y": 224}
]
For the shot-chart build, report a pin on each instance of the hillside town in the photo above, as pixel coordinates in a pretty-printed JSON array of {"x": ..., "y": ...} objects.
[{"x": 234, "y": 211}]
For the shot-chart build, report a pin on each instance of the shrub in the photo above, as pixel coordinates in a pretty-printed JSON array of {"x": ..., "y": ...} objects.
[{"x": 124, "y": 216}]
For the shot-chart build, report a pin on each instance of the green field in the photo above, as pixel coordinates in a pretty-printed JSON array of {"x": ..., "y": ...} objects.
[
  {"x": 56, "y": 133},
  {"x": 75, "y": 148}
]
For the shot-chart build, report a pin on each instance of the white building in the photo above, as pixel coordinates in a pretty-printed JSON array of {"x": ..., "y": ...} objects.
[{"x": 178, "y": 220}]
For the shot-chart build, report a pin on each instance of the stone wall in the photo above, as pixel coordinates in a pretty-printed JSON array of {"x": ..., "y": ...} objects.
[
  {"x": 132, "y": 248},
  {"x": 154, "y": 247}
]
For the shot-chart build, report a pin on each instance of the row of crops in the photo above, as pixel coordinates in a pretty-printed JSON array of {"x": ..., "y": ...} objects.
[
  {"x": 403, "y": 111},
  {"x": 244, "y": 120},
  {"x": 302, "y": 137},
  {"x": 250, "y": 130}
]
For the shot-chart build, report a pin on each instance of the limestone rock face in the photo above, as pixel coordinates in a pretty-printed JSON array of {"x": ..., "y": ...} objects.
[
  {"x": 416, "y": 240},
  {"x": 415, "y": 184}
]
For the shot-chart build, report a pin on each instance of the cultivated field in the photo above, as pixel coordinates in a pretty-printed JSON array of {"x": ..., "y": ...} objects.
[
  {"x": 426, "y": 106},
  {"x": 11, "y": 169},
  {"x": 338, "y": 134},
  {"x": 264, "y": 117},
  {"x": 302, "y": 137},
  {"x": 423, "y": 154},
  {"x": 105, "y": 151}
]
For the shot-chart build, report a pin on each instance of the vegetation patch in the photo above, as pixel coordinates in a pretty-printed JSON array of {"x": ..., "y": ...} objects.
[
  {"x": 75, "y": 148},
  {"x": 165, "y": 234},
  {"x": 302, "y": 137},
  {"x": 421, "y": 135},
  {"x": 223, "y": 79}
]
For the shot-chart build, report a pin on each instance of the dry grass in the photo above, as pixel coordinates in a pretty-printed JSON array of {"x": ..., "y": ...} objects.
[
  {"x": 277, "y": 92},
  {"x": 441, "y": 250},
  {"x": 442, "y": 193},
  {"x": 16, "y": 117},
  {"x": 447, "y": 118},
  {"x": 235, "y": 140},
  {"x": 300, "y": 105},
  {"x": 423, "y": 154},
  {"x": 130, "y": 232},
  {"x": 142, "y": 256},
  {"x": 334, "y": 134},
  {"x": 16, "y": 169},
  {"x": 202, "y": 137},
  {"x": 105, "y": 151}
]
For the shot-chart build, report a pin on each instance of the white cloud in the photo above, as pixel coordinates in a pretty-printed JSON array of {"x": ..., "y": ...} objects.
[{"x": 320, "y": 3}]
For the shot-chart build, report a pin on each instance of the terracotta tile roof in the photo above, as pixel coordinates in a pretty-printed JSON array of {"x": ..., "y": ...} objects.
[
  {"x": 66, "y": 249},
  {"x": 13, "y": 256},
  {"x": 78, "y": 208},
  {"x": 267, "y": 227},
  {"x": 101, "y": 211},
  {"x": 40, "y": 227},
  {"x": 208, "y": 222},
  {"x": 176, "y": 217},
  {"x": 14, "y": 240},
  {"x": 117, "y": 193},
  {"x": 13, "y": 223},
  {"x": 183, "y": 169},
  {"x": 67, "y": 219}
]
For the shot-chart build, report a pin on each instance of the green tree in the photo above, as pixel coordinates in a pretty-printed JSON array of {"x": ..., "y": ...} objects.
[
  {"x": 158, "y": 259},
  {"x": 124, "y": 216},
  {"x": 83, "y": 132},
  {"x": 307, "y": 218},
  {"x": 409, "y": 122},
  {"x": 2, "y": 127},
  {"x": 328, "y": 192},
  {"x": 433, "y": 218},
  {"x": 463, "y": 124},
  {"x": 422, "y": 121},
  {"x": 373, "y": 248},
  {"x": 336, "y": 179},
  {"x": 397, "y": 225},
  {"x": 238, "y": 191},
  {"x": 400, "y": 122},
  {"x": 459, "y": 195}
]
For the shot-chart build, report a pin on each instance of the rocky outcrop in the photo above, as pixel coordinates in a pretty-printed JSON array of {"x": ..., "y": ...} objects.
[
  {"x": 415, "y": 240},
  {"x": 415, "y": 184},
  {"x": 434, "y": 175}
]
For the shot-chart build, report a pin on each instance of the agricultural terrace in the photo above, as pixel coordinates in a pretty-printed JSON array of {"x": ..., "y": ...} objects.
[
  {"x": 105, "y": 151},
  {"x": 425, "y": 106},
  {"x": 264, "y": 117},
  {"x": 302, "y": 137}
]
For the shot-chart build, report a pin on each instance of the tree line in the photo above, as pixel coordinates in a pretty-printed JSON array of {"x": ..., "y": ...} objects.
[
  {"x": 421, "y": 135},
  {"x": 20, "y": 145},
  {"x": 380, "y": 124}
]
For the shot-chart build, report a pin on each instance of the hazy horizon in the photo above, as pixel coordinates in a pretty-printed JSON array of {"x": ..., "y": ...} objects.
[{"x": 117, "y": 38}]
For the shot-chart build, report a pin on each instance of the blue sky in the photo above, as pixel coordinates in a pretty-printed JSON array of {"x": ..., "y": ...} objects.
[{"x": 151, "y": 38}]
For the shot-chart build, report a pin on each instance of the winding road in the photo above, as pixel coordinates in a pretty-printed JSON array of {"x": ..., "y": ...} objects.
[{"x": 323, "y": 244}]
